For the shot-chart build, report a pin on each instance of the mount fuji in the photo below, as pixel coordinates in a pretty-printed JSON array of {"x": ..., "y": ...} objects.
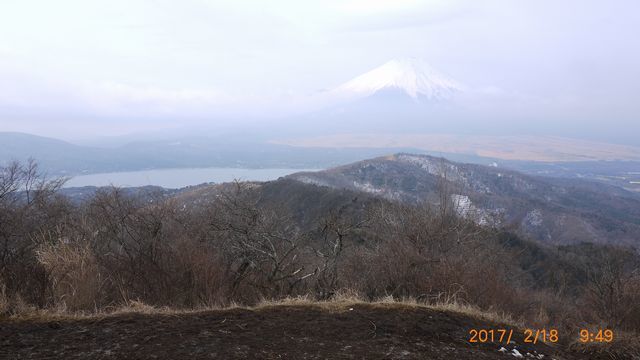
[
  {"x": 409, "y": 77},
  {"x": 400, "y": 94}
]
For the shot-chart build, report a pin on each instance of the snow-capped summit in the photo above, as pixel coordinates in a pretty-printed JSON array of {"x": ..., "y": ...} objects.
[{"x": 413, "y": 76}]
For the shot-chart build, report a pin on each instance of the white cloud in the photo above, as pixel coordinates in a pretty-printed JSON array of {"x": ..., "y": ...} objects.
[
  {"x": 376, "y": 6},
  {"x": 122, "y": 95}
]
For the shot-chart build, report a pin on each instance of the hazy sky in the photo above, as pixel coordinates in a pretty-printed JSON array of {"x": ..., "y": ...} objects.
[{"x": 81, "y": 67}]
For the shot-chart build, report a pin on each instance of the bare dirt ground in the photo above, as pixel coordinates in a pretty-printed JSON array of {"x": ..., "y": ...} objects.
[{"x": 361, "y": 331}]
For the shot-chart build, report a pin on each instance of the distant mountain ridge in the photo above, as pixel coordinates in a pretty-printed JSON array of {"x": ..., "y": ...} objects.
[{"x": 57, "y": 157}]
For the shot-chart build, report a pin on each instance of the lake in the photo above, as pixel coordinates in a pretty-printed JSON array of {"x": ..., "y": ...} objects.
[{"x": 178, "y": 178}]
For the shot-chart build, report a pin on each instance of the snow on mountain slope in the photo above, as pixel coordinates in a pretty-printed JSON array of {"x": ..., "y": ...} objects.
[
  {"x": 545, "y": 209},
  {"x": 413, "y": 76}
]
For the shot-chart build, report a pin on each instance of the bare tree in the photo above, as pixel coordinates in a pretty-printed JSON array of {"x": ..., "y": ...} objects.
[
  {"x": 133, "y": 237},
  {"x": 335, "y": 229},
  {"x": 29, "y": 205},
  {"x": 613, "y": 284},
  {"x": 263, "y": 244}
]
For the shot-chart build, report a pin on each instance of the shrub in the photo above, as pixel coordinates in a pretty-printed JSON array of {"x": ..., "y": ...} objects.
[{"x": 74, "y": 274}]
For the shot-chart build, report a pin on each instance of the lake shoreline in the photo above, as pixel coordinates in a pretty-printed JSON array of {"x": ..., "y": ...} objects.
[{"x": 177, "y": 178}]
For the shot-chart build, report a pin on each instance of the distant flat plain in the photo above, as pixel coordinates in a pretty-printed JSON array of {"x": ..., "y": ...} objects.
[{"x": 526, "y": 148}]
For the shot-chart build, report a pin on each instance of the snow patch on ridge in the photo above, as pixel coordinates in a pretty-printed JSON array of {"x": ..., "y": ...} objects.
[
  {"x": 462, "y": 204},
  {"x": 534, "y": 218}
]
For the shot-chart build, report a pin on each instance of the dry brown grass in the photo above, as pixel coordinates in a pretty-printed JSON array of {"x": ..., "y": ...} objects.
[
  {"x": 131, "y": 307},
  {"x": 4, "y": 299},
  {"x": 74, "y": 274},
  {"x": 342, "y": 302},
  {"x": 476, "y": 312},
  {"x": 12, "y": 306},
  {"x": 624, "y": 346}
]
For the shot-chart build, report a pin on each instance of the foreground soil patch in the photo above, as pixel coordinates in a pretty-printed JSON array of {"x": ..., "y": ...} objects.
[{"x": 361, "y": 331}]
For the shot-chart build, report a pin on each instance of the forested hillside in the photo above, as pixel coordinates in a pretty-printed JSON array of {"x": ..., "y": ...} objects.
[{"x": 215, "y": 245}]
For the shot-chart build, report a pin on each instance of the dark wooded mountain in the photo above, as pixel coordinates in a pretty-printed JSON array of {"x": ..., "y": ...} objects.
[
  {"x": 538, "y": 263},
  {"x": 555, "y": 211}
]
